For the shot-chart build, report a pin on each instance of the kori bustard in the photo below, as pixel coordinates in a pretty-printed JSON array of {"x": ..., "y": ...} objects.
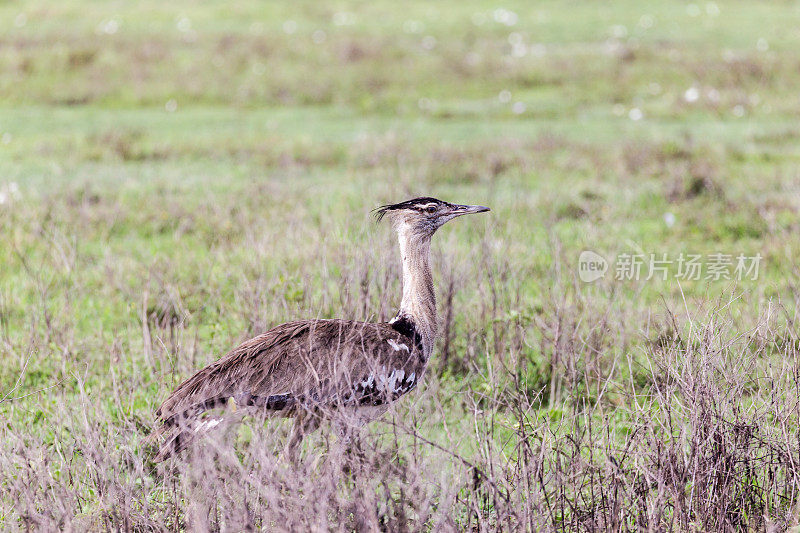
[{"x": 315, "y": 368}]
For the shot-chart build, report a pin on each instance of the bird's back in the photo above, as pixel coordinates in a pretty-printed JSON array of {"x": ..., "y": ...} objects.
[{"x": 311, "y": 363}]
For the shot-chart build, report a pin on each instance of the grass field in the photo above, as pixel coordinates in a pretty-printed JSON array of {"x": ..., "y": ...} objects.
[{"x": 177, "y": 177}]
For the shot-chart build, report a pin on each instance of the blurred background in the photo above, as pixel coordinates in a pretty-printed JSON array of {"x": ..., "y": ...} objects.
[
  {"x": 178, "y": 176},
  {"x": 655, "y": 127},
  {"x": 652, "y": 122}
]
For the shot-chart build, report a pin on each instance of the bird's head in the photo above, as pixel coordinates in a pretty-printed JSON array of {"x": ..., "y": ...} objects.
[{"x": 423, "y": 216}]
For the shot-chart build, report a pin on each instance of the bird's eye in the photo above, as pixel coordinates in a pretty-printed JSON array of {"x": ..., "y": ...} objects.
[{"x": 431, "y": 209}]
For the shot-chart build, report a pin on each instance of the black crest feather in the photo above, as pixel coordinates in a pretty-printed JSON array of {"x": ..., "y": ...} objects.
[{"x": 381, "y": 211}]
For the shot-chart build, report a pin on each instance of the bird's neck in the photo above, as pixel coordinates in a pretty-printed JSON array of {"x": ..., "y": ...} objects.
[{"x": 419, "y": 299}]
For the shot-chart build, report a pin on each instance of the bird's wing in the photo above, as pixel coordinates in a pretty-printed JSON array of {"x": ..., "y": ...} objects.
[{"x": 314, "y": 362}]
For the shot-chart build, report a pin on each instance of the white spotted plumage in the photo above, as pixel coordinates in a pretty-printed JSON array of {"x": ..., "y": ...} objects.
[
  {"x": 207, "y": 425},
  {"x": 398, "y": 346}
]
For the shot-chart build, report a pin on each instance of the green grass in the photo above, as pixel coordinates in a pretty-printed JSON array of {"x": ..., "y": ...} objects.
[{"x": 218, "y": 163}]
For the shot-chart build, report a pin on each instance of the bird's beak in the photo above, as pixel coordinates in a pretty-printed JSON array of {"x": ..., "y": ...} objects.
[{"x": 459, "y": 210}]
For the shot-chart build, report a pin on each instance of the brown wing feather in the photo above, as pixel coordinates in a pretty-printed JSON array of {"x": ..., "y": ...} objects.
[{"x": 316, "y": 361}]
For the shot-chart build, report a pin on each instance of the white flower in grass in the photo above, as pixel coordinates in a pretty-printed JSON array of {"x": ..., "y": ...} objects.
[
  {"x": 504, "y": 16},
  {"x": 109, "y": 27},
  {"x": 691, "y": 94},
  {"x": 413, "y": 26},
  {"x": 289, "y": 27},
  {"x": 9, "y": 192},
  {"x": 519, "y": 50},
  {"x": 646, "y": 22},
  {"x": 619, "y": 31}
]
